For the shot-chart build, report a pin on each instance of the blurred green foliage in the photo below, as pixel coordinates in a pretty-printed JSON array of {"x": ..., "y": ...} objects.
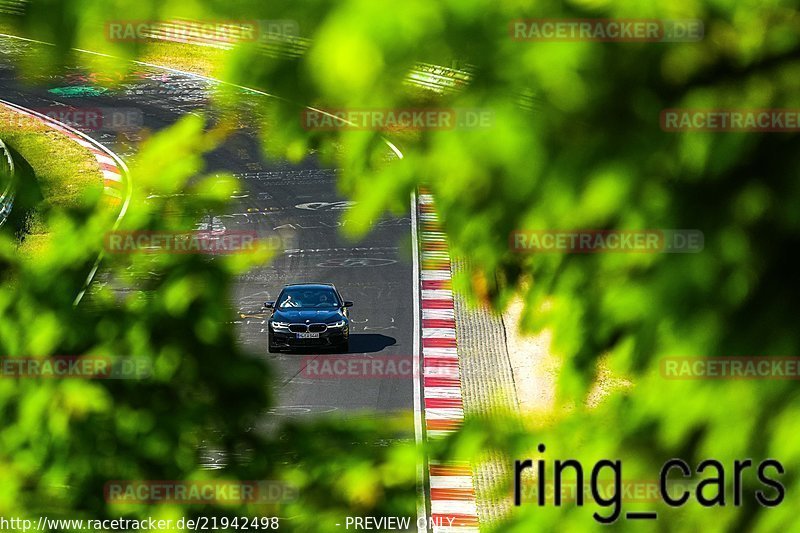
[
  {"x": 590, "y": 155},
  {"x": 62, "y": 441}
]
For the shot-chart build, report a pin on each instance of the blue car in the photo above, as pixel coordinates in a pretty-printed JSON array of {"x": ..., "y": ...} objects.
[{"x": 309, "y": 315}]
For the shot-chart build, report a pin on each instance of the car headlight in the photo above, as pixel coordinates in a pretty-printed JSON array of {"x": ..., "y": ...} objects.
[
  {"x": 340, "y": 324},
  {"x": 280, "y": 325}
]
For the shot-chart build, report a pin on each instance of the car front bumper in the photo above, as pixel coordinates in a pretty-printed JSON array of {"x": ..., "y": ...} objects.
[{"x": 330, "y": 337}]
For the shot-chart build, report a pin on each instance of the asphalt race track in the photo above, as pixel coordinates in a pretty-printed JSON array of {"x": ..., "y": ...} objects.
[{"x": 300, "y": 201}]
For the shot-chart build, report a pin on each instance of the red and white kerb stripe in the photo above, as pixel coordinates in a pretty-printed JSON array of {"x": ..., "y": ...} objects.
[
  {"x": 113, "y": 185},
  {"x": 452, "y": 490}
]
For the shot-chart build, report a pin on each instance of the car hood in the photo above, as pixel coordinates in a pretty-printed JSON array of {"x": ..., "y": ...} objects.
[{"x": 312, "y": 315}]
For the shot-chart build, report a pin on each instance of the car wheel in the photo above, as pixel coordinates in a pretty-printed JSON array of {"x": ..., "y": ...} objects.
[
  {"x": 271, "y": 345},
  {"x": 343, "y": 347}
]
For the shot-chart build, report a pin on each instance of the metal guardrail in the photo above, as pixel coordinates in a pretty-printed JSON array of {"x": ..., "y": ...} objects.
[
  {"x": 438, "y": 78},
  {"x": 7, "y": 174},
  {"x": 280, "y": 45},
  {"x": 271, "y": 44},
  {"x": 13, "y": 7},
  {"x": 427, "y": 76}
]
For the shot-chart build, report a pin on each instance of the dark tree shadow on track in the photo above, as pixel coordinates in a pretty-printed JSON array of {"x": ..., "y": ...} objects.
[
  {"x": 369, "y": 342},
  {"x": 29, "y": 196},
  {"x": 359, "y": 343}
]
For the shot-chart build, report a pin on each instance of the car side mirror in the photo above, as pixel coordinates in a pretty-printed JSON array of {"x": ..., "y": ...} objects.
[
  {"x": 269, "y": 305},
  {"x": 348, "y": 303}
]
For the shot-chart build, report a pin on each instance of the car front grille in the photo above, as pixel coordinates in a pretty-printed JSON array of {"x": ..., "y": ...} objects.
[{"x": 302, "y": 328}]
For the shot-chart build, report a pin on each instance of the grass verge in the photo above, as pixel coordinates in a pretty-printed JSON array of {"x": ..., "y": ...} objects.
[
  {"x": 202, "y": 60},
  {"x": 66, "y": 175}
]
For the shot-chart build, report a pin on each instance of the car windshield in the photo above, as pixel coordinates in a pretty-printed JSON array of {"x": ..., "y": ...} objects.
[{"x": 304, "y": 297}]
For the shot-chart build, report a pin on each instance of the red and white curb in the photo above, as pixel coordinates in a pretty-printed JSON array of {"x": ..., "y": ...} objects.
[
  {"x": 116, "y": 185},
  {"x": 452, "y": 492},
  {"x": 112, "y": 168}
]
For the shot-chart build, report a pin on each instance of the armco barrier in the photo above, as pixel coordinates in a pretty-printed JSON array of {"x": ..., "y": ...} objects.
[
  {"x": 288, "y": 46},
  {"x": 7, "y": 176},
  {"x": 434, "y": 77},
  {"x": 13, "y": 7}
]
